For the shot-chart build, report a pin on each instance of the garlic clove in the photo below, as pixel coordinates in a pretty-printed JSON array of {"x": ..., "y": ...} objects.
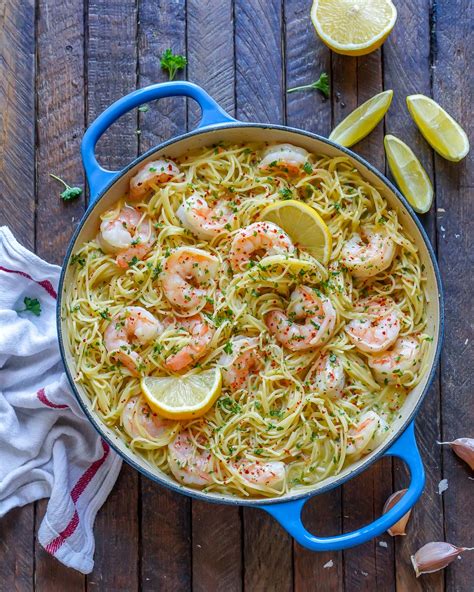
[
  {"x": 435, "y": 556},
  {"x": 464, "y": 448},
  {"x": 398, "y": 529}
]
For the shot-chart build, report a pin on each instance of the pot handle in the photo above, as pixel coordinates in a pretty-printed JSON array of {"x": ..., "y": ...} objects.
[
  {"x": 98, "y": 177},
  {"x": 288, "y": 514}
]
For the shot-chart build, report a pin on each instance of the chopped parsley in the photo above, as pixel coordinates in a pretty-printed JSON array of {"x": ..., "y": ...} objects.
[
  {"x": 77, "y": 259},
  {"x": 285, "y": 193},
  {"x": 172, "y": 62},
  {"x": 229, "y": 405},
  {"x": 228, "y": 347},
  {"x": 31, "y": 305},
  {"x": 156, "y": 271},
  {"x": 69, "y": 192},
  {"x": 322, "y": 84}
]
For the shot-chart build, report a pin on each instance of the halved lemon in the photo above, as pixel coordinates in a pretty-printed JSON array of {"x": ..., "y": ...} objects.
[
  {"x": 409, "y": 174},
  {"x": 304, "y": 225},
  {"x": 440, "y": 130},
  {"x": 182, "y": 397},
  {"x": 362, "y": 120},
  {"x": 353, "y": 27}
]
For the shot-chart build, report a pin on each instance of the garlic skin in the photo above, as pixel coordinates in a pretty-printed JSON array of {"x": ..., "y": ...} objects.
[
  {"x": 435, "y": 556},
  {"x": 398, "y": 529},
  {"x": 464, "y": 448}
]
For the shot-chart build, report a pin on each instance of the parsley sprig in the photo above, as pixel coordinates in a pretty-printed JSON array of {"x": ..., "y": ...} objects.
[
  {"x": 172, "y": 62},
  {"x": 322, "y": 84},
  {"x": 69, "y": 192},
  {"x": 31, "y": 305}
]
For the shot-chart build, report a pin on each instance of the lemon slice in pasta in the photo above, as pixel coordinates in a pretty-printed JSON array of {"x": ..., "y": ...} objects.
[
  {"x": 362, "y": 120},
  {"x": 440, "y": 130},
  {"x": 182, "y": 397},
  {"x": 304, "y": 226},
  {"x": 409, "y": 174}
]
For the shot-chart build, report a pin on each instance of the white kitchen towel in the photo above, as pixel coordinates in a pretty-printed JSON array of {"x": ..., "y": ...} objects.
[{"x": 47, "y": 446}]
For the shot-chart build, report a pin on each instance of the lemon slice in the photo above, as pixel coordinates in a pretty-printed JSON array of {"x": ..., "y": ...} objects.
[
  {"x": 353, "y": 27},
  {"x": 440, "y": 130},
  {"x": 409, "y": 174},
  {"x": 304, "y": 225},
  {"x": 182, "y": 397},
  {"x": 362, "y": 120}
]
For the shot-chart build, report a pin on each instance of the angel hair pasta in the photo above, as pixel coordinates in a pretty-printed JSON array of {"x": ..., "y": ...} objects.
[{"x": 186, "y": 275}]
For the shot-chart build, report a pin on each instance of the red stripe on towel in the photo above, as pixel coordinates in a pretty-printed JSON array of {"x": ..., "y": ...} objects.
[
  {"x": 46, "y": 284},
  {"x": 44, "y": 399},
  {"x": 53, "y": 546}
]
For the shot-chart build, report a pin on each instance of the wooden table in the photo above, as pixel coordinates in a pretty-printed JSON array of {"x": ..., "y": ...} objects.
[{"x": 64, "y": 61}]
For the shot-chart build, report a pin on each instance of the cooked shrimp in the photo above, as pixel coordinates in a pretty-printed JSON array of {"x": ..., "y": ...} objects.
[
  {"x": 200, "y": 333},
  {"x": 242, "y": 361},
  {"x": 367, "y": 434},
  {"x": 327, "y": 376},
  {"x": 202, "y": 220},
  {"x": 306, "y": 305},
  {"x": 368, "y": 253},
  {"x": 187, "y": 277},
  {"x": 152, "y": 173},
  {"x": 189, "y": 464},
  {"x": 132, "y": 325},
  {"x": 400, "y": 363},
  {"x": 260, "y": 239},
  {"x": 379, "y": 326},
  {"x": 139, "y": 421},
  {"x": 127, "y": 233},
  {"x": 284, "y": 158},
  {"x": 270, "y": 474}
]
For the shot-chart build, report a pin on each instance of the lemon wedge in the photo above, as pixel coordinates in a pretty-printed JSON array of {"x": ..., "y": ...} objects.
[
  {"x": 409, "y": 174},
  {"x": 440, "y": 130},
  {"x": 353, "y": 27},
  {"x": 304, "y": 225},
  {"x": 182, "y": 397},
  {"x": 362, "y": 120}
]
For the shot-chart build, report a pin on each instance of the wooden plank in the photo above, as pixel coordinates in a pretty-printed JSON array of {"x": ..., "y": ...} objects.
[
  {"x": 17, "y": 130},
  {"x": 322, "y": 516},
  {"x": 116, "y": 537},
  {"x": 452, "y": 89},
  {"x": 217, "y": 538},
  {"x": 165, "y": 555},
  {"x": 60, "y": 123},
  {"x": 259, "y": 61},
  {"x": 165, "y": 516},
  {"x": 306, "y": 58},
  {"x": 111, "y": 66},
  {"x": 16, "y": 550},
  {"x": 166, "y": 118},
  {"x": 210, "y": 41},
  {"x": 268, "y": 561},
  {"x": 17, "y": 187},
  {"x": 111, "y": 60},
  {"x": 260, "y": 97},
  {"x": 408, "y": 72}
]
